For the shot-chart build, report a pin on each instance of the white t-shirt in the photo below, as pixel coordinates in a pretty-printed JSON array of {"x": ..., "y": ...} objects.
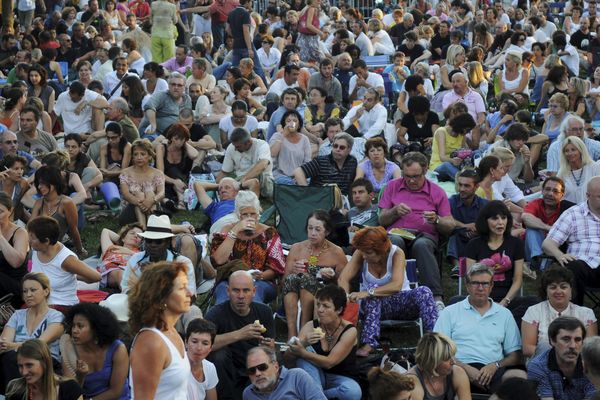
[
  {"x": 373, "y": 79},
  {"x": 63, "y": 283},
  {"x": 505, "y": 188},
  {"x": 280, "y": 85},
  {"x": 227, "y": 125},
  {"x": 241, "y": 163},
  {"x": 571, "y": 60},
  {"x": 72, "y": 122},
  {"x": 161, "y": 85},
  {"x": 197, "y": 390}
]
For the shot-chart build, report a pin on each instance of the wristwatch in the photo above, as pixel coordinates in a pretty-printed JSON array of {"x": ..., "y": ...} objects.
[{"x": 371, "y": 292}]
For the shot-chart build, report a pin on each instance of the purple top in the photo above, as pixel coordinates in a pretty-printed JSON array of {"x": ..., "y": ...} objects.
[
  {"x": 99, "y": 381},
  {"x": 388, "y": 174},
  {"x": 173, "y": 66},
  {"x": 430, "y": 197}
]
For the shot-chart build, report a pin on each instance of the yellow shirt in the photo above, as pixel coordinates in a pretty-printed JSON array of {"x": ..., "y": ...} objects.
[
  {"x": 453, "y": 143},
  {"x": 481, "y": 193}
]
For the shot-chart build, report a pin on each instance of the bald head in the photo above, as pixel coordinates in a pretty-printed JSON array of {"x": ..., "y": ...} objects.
[
  {"x": 243, "y": 277},
  {"x": 241, "y": 291},
  {"x": 9, "y": 144}
]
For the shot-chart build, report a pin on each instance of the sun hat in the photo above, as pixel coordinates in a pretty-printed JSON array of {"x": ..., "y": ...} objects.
[{"x": 158, "y": 227}]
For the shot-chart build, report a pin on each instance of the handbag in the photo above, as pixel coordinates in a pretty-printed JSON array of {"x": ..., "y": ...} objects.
[{"x": 6, "y": 309}]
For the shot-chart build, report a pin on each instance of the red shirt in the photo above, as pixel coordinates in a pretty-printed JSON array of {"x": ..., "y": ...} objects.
[
  {"x": 220, "y": 9},
  {"x": 141, "y": 10},
  {"x": 536, "y": 208}
]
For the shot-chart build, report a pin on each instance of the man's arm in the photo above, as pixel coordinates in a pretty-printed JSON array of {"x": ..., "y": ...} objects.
[
  {"x": 446, "y": 225},
  {"x": 151, "y": 115},
  {"x": 531, "y": 221},
  {"x": 388, "y": 216},
  {"x": 300, "y": 177},
  {"x": 255, "y": 171},
  {"x": 378, "y": 126},
  {"x": 552, "y": 248}
]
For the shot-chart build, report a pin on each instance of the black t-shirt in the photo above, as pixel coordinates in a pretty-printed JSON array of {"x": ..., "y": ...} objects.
[
  {"x": 499, "y": 41},
  {"x": 69, "y": 56},
  {"x": 228, "y": 321},
  {"x": 67, "y": 390},
  {"x": 236, "y": 20},
  {"x": 438, "y": 42},
  {"x": 478, "y": 250},
  {"x": 418, "y": 133},
  {"x": 82, "y": 47},
  {"x": 95, "y": 22},
  {"x": 578, "y": 37},
  {"x": 398, "y": 31},
  {"x": 411, "y": 54},
  {"x": 197, "y": 132}
]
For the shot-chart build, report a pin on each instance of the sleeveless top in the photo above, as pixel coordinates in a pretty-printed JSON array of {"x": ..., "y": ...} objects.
[
  {"x": 347, "y": 366},
  {"x": 99, "y": 381},
  {"x": 63, "y": 226},
  {"x": 388, "y": 174},
  {"x": 111, "y": 161},
  {"x": 6, "y": 268},
  {"x": 453, "y": 143},
  {"x": 173, "y": 379},
  {"x": 553, "y": 132},
  {"x": 449, "y": 395},
  {"x": 81, "y": 162},
  {"x": 63, "y": 283},
  {"x": 514, "y": 84},
  {"x": 183, "y": 167},
  {"x": 557, "y": 90},
  {"x": 369, "y": 281}
]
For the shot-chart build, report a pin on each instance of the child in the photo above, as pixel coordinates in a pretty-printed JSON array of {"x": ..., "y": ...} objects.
[
  {"x": 364, "y": 213},
  {"x": 202, "y": 383},
  {"x": 397, "y": 72}
]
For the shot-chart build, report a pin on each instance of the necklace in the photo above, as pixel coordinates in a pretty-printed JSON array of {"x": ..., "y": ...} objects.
[
  {"x": 577, "y": 181},
  {"x": 329, "y": 336},
  {"x": 313, "y": 259}
]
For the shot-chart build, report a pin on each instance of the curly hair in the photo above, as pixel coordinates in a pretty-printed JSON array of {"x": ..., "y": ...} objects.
[
  {"x": 386, "y": 385},
  {"x": 147, "y": 297},
  {"x": 372, "y": 238},
  {"x": 103, "y": 322},
  {"x": 145, "y": 145},
  {"x": 178, "y": 130},
  {"x": 125, "y": 230}
]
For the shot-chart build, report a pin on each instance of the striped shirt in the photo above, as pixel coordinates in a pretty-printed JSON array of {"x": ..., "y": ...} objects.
[
  {"x": 580, "y": 228},
  {"x": 324, "y": 170}
]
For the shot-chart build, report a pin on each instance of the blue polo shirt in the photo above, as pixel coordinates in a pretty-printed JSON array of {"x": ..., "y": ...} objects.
[
  {"x": 479, "y": 338},
  {"x": 218, "y": 209},
  {"x": 543, "y": 369},
  {"x": 294, "y": 384},
  {"x": 463, "y": 212}
]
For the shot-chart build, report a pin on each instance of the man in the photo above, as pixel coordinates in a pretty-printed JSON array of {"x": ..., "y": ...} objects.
[
  {"x": 361, "y": 40},
  {"x": 270, "y": 381},
  {"x": 238, "y": 27},
  {"x": 399, "y": 30},
  {"x": 333, "y": 126},
  {"x": 219, "y": 10},
  {"x": 546, "y": 26},
  {"x": 237, "y": 333},
  {"x": 181, "y": 63},
  {"x": 364, "y": 212},
  {"x": 93, "y": 15},
  {"x": 21, "y": 69},
  {"x": 81, "y": 110},
  {"x": 289, "y": 80},
  {"x": 590, "y": 356},
  {"x": 131, "y": 24},
  {"x": 363, "y": 80},
  {"x": 200, "y": 139},
  {"x": 414, "y": 52},
  {"x": 539, "y": 216},
  {"x": 239, "y": 119},
  {"x": 515, "y": 138},
  {"x": 501, "y": 38},
  {"x": 10, "y": 145},
  {"x": 371, "y": 116},
  {"x": 414, "y": 202},
  {"x": 290, "y": 100},
  {"x": 581, "y": 34},
  {"x": 501, "y": 16},
  {"x": 325, "y": 79},
  {"x": 486, "y": 334},
  {"x": 217, "y": 210},
  {"x": 473, "y": 100},
  {"x": 162, "y": 110},
  {"x": 80, "y": 44},
  {"x": 303, "y": 77},
  {"x": 31, "y": 139},
  {"x": 573, "y": 125},
  {"x": 439, "y": 41},
  {"x": 579, "y": 228},
  {"x": 65, "y": 51},
  {"x": 558, "y": 371},
  {"x": 102, "y": 66},
  {"x": 344, "y": 73},
  {"x": 249, "y": 161},
  {"x": 568, "y": 53},
  {"x": 465, "y": 207},
  {"x": 113, "y": 81},
  {"x": 200, "y": 76},
  {"x": 592, "y": 10},
  {"x": 338, "y": 167}
]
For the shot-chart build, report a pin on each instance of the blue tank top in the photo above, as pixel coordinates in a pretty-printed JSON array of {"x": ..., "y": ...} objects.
[
  {"x": 388, "y": 174},
  {"x": 99, "y": 381}
]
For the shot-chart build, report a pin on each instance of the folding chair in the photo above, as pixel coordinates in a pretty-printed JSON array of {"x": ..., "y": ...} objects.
[
  {"x": 411, "y": 273},
  {"x": 374, "y": 62}
]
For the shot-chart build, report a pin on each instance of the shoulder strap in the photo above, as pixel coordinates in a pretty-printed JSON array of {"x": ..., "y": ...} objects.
[{"x": 118, "y": 85}]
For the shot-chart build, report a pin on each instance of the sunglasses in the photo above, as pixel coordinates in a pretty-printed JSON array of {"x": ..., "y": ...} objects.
[
  {"x": 261, "y": 367},
  {"x": 340, "y": 146},
  {"x": 11, "y": 142}
]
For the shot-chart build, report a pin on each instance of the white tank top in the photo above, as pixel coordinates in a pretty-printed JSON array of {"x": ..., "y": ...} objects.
[
  {"x": 515, "y": 83},
  {"x": 368, "y": 280},
  {"x": 63, "y": 283},
  {"x": 173, "y": 381}
]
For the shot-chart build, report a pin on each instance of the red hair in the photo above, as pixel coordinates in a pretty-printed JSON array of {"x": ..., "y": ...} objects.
[{"x": 372, "y": 238}]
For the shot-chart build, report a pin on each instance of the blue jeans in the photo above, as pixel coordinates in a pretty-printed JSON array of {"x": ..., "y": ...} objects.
[
  {"x": 219, "y": 71},
  {"x": 533, "y": 247},
  {"x": 334, "y": 386},
  {"x": 285, "y": 180},
  {"x": 238, "y": 54},
  {"x": 265, "y": 292},
  {"x": 447, "y": 171}
]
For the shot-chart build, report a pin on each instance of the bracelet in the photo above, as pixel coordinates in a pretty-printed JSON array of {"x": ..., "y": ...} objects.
[
  {"x": 231, "y": 235},
  {"x": 497, "y": 363},
  {"x": 507, "y": 300}
]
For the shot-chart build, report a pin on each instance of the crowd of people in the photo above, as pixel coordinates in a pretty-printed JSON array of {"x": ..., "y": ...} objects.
[{"x": 456, "y": 134}]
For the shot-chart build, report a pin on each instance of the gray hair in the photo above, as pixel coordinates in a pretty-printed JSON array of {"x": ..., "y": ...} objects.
[
  {"x": 590, "y": 354},
  {"x": 345, "y": 136},
  {"x": 375, "y": 93},
  {"x": 479, "y": 268},
  {"x": 234, "y": 183},
  {"x": 567, "y": 122},
  {"x": 408, "y": 17},
  {"x": 176, "y": 75},
  {"x": 246, "y": 199},
  {"x": 240, "y": 135},
  {"x": 270, "y": 353},
  {"x": 121, "y": 104}
]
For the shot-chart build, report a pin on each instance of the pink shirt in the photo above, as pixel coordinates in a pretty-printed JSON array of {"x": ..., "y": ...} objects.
[
  {"x": 173, "y": 66},
  {"x": 472, "y": 99},
  {"x": 430, "y": 197}
]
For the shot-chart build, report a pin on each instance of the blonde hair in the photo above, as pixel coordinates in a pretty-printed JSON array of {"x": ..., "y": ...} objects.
[
  {"x": 453, "y": 51},
  {"x": 246, "y": 62},
  {"x": 503, "y": 153},
  {"x": 552, "y": 61},
  {"x": 476, "y": 75},
  {"x": 561, "y": 99},
  {"x": 40, "y": 278},
  {"x": 432, "y": 350},
  {"x": 375, "y": 25},
  {"x": 565, "y": 168},
  {"x": 516, "y": 58},
  {"x": 581, "y": 86},
  {"x": 145, "y": 145}
]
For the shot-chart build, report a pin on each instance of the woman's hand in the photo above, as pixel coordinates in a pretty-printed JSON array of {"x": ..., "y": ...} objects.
[
  {"x": 147, "y": 203},
  {"x": 327, "y": 273},
  {"x": 180, "y": 185},
  {"x": 299, "y": 266},
  {"x": 297, "y": 349},
  {"x": 356, "y": 296},
  {"x": 314, "y": 337}
]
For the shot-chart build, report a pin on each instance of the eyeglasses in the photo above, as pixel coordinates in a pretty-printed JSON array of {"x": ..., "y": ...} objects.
[
  {"x": 576, "y": 129},
  {"x": 340, "y": 146},
  {"x": 11, "y": 142},
  {"x": 412, "y": 177},
  {"x": 484, "y": 285},
  {"x": 261, "y": 367}
]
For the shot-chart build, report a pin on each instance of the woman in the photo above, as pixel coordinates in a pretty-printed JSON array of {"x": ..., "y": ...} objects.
[
  {"x": 572, "y": 22},
  {"x": 92, "y": 353},
  {"x": 477, "y": 79},
  {"x": 72, "y": 182},
  {"x": 318, "y": 111},
  {"x": 37, "y": 321},
  {"x": 242, "y": 90},
  {"x": 497, "y": 123},
  {"x": 514, "y": 78},
  {"x": 389, "y": 385},
  {"x": 539, "y": 58},
  {"x": 558, "y": 107},
  {"x": 163, "y": 33},
  {"x": 216, "y": 110},
  {"x": 556, "y": 291},
  {"x": 14, "y": 100},
  {"x": 576, "y": 168},
  {"x": 578, "y": 93},
  {"x": 268, "y": 56},
  {"x": 495, "y": 247},
  {"x": 447, "y": 140},
  {"x": 113, "y": 18},
  {"x": 39, "y": 382},
  {"x": 48, "y": 61},
  {"x": 309, "y": 264},
  {"x": 116, "y": 250},
  {"x": 175, "y": 159},
  {"x": 557, "y": 81},
  {"x": 455, "y": 60},
  {"x": 59, "y": 263},
  {"x": 257, "y": 245},
  {"x": 435, "y": 374},
  {"x": 482, "y": 37},
  {"x": 38, "y": 86},
  {"x": 69, "y": 15},
  {"x": 420, "y": 123},
  {"x": 377, "y": 168},
  {"x": 153, "y": 78},
  {"x": 135, "y": 60},
  {"x": 53, "y": 203},
  {"x": 13, "y": 184},
  {"x": 81, "y": 164},
  {"x": 326, "y": 347},
  {"x": 14, "y": 249},
  {"x": 257, "y": 86},
  {"x": 115, "y": 155},
  {"x": 384, "y": 290},
  {"x": 84, "y": 72},
  {"x": 289, "y": 148},
  {"x": 309, "y": 32},
  {"x": 133, "y": 91},
  {"x": 142, "y": 187},
  {"x": 382, "y": 42},
  {"x": 156, "y": 302}
]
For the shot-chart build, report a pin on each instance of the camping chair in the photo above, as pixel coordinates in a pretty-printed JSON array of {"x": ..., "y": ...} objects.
[
  {"x": 411, "y": 273},
  {"x": 291, "y": 206},
  {"x": 374, "y": 62}
]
